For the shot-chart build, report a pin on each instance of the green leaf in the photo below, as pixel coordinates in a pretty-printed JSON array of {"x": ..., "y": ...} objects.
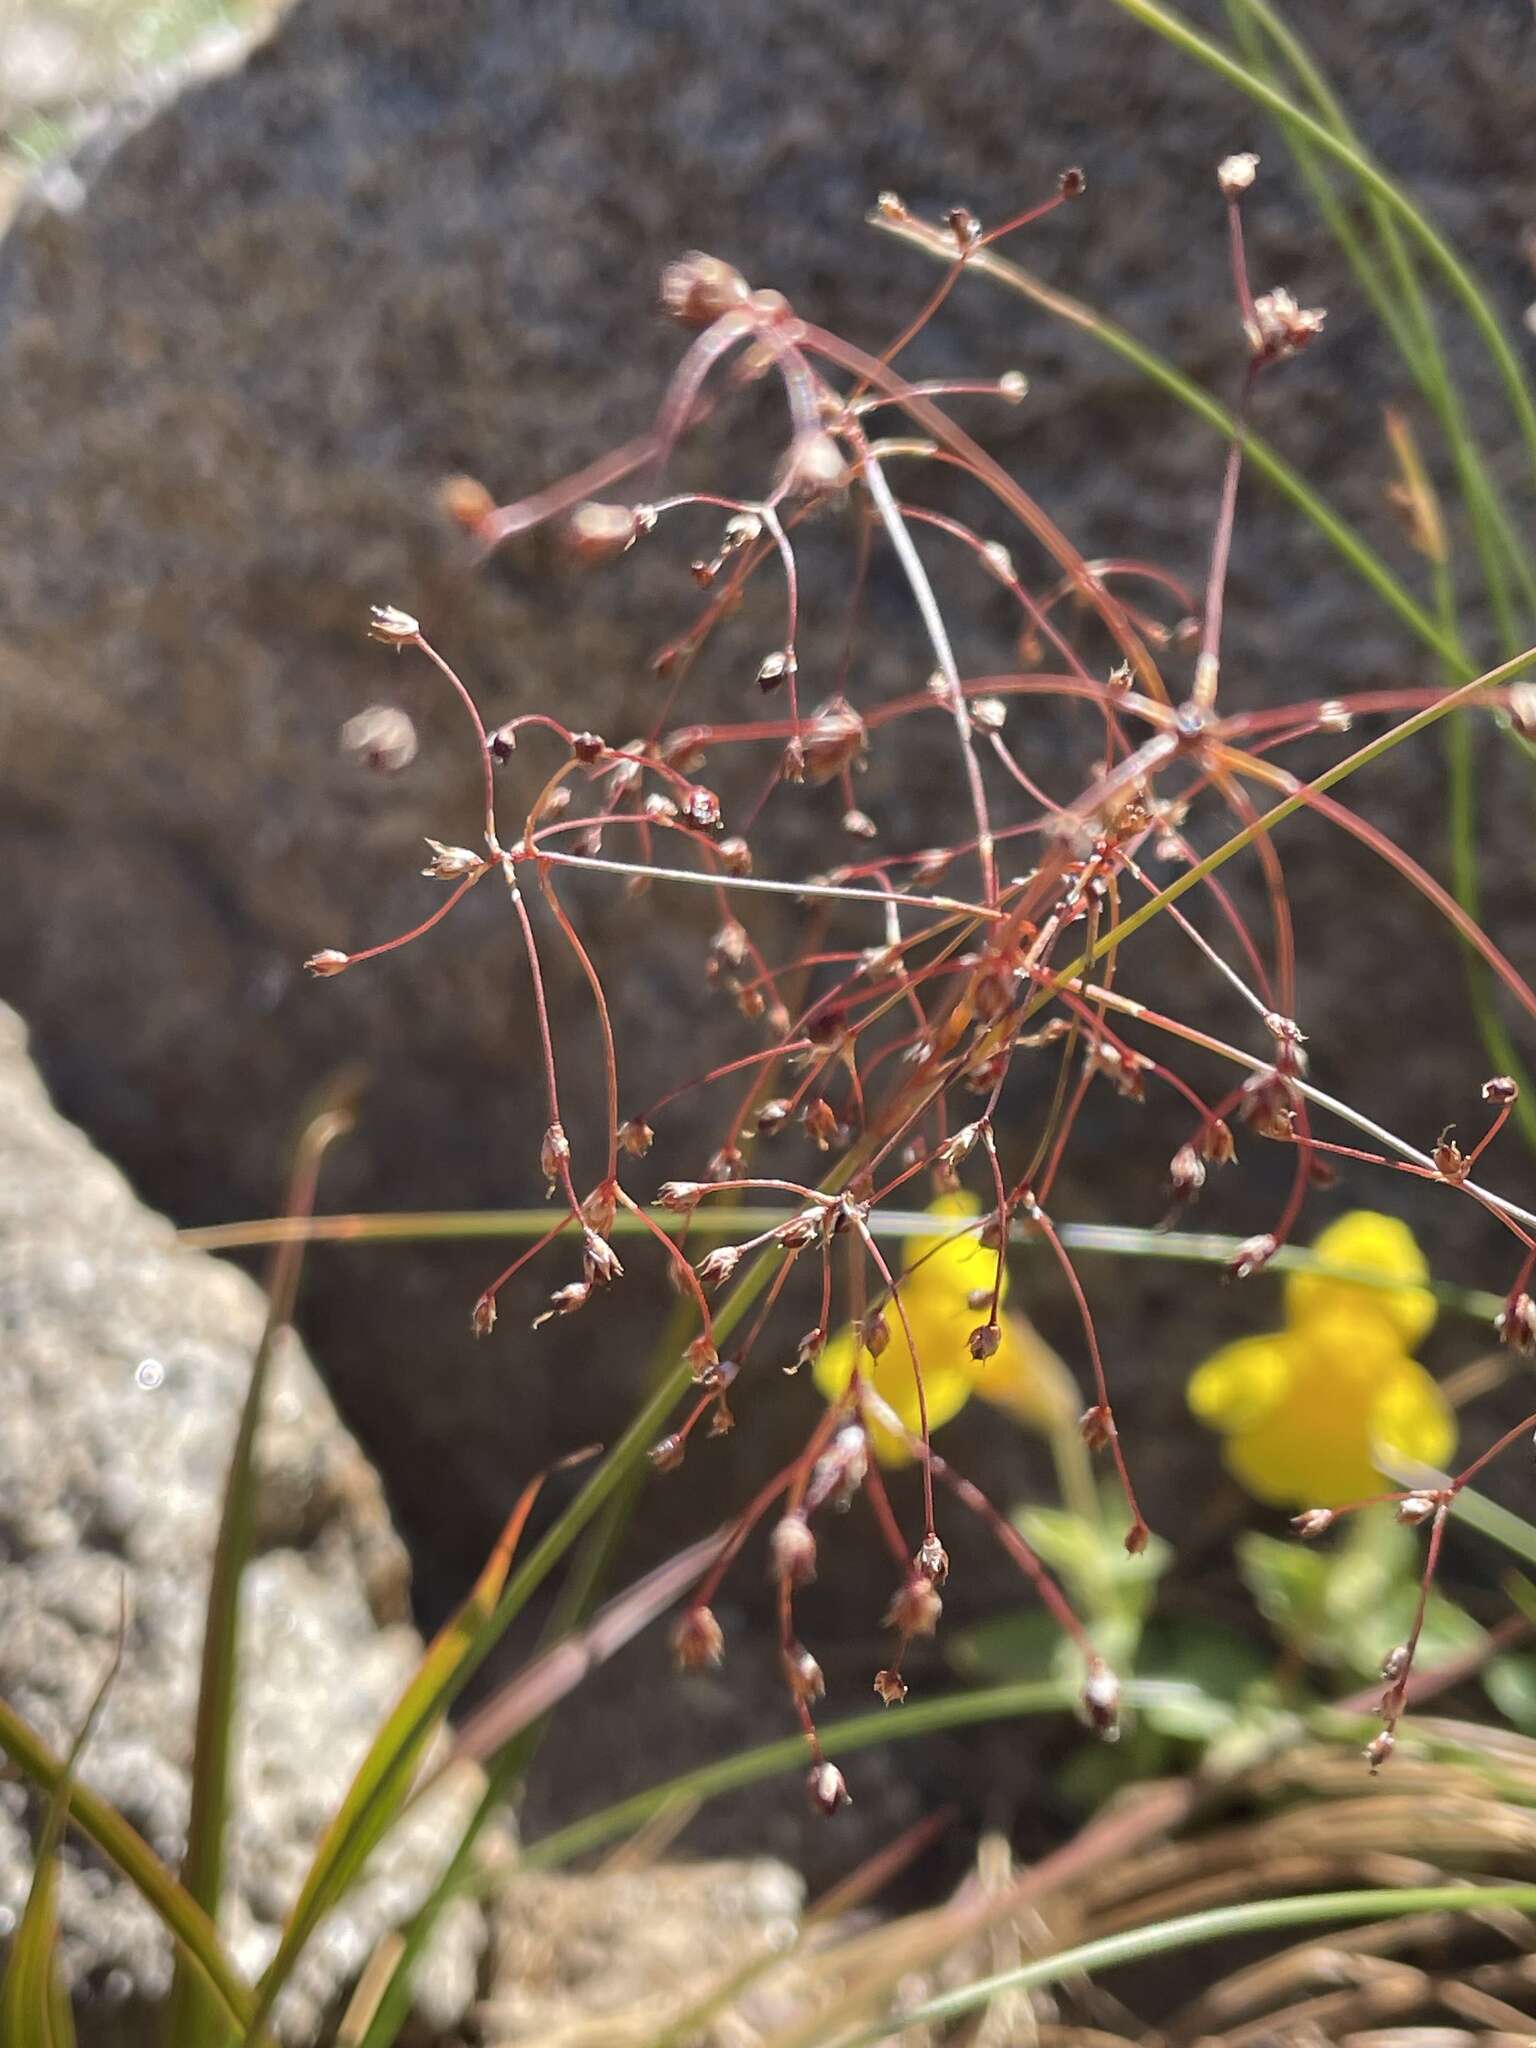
[
  {"x": 192, "y": 2019},
  {"x": 1510, "y": 1682},
  {"x": 1010, "y": 1647},
  {"x": 383, "y": 1779},
  {"x": 189, "y": 1926}
]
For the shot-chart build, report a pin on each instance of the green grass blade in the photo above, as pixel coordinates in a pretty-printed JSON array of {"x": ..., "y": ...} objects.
[
  {"x": 1177, "y": 31},
  {"x": 1401, "y": 306},
  {"x": 1191, "y": 1930},
  {"x": 189, "y": 1926},
  {"x": 34, "y": 2006},
  {"x": 383, "y": 1779},
  {"x": 191, "y": 2019},
  {"x": 1265, "y": 459},
  {"x": 771, "y": 1759}
]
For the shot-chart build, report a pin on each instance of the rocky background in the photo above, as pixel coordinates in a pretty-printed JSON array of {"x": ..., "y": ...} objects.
[
  {"x": 123, "y": 1373},
  {"x": 407, "y": 241}
]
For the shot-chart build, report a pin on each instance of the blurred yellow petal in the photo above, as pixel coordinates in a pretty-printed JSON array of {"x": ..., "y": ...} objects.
[
  {"x": 1026, "y": 1379},
  {"x": 1242, "y": 1383},
  {"x": 1374, "y": 1244},
  {"x": 1414, "y": 1418},
  {"x": 941, "y": 1333},
  {"x": 958, "y": 1265},
  {"x": 1350, "y": 1390}
]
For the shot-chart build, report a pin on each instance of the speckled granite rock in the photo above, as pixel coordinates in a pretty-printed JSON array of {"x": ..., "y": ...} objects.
[
  {"x": 620, "y": 1956},
  {"x": 123, "y": 1364}
]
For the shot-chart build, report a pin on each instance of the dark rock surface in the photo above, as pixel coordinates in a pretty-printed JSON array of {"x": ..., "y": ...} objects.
[{"x": 407, "y": 241}]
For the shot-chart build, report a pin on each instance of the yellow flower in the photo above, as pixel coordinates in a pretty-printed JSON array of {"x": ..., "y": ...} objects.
[
  {"x": 941, "y": 1275},
  {"x": 1306, "y": 1410}
]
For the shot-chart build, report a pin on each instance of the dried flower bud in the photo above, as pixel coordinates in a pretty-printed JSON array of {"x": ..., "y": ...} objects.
[
  {"x": 932, "y": 1559},
  {"x": 808, "y": 1350},
  {"x": 718, "y": 1267},
  {"x": 1379, "y": 1749},
  {"x": 876, "y": 1332},
  {"x": 1096, "y": 1427},
  {"x": 891, "y": 1688},
  {"x": 482, "y": 1318},
  {"x": 1414, "y": 1508},
  {"x": 1216, "y": 1143},
  {"x": 394, "y": 627},
  {"x": 839, "y": 1472},
  {"x": 730, "y": 943},
  {"x": 773, "y": 1116},
  {"x": 697, "y": 289},
  {"x": 916, "y": 1607},
  {"x": 1235, "y": 174},
  {"x": 466, "y": 501},
  {"x": 801, "y": 1230},
  {"x": 735, "y": 856},
  {"x": 1394, "y": 1666},
  {"x": 958, "y": 1147},
  {"x": 989, "y": 714},
  {"x": 802, "y": 1674},
  {"x": 1072, "y": 183},
  {"x": 668, "y": 1452},
  {"x": 813, "y": 465},
  {"x": 452, "y": 863},
  {"x": 860, "y": 825},
  {"x": 1013, "y": 386},
  {"x": 964, "y": 226},
  {"x": 698, "y": 1641},
  {"x": 659, "y": 807},
  {"x": 835, "y": 738},
  {"x": 554, "y": 1153},
  {"x": 328, "y": 962},
  {"x": 636, "y": 1136},
  {"x": 726, "y": 1163},
  {"x": 679, "y": 1195},
  {"x": 1252, "y": 1255},
  {"x": 1516, "y": 1323},
  {"x": 1313, "y": 1522},
  {"x": 984, "y": 1341},
  {"x": 827, "y": 1788},
  {"x": 820, "y": 1120},
  {"x": 1280, "y": 327},
  {"x": 1502, "y": 1089},
  {"x": 1186, "y": 1173},
  {"x": 1268, "y": 1104},
  {"x": 599, "y": 1260},
  {"x": 382, "y": 738},
  {"x": 564, "y": 1302},
  {"x": 1137, "y": 1538},
  {"x": 774, "y": 668},
  {"x": 701, "y": 1358},
  {"x": 1521, "y": 704},
  {"x": 600, "y": 533},
  {"x": 503, "y": 741},
  {"x": 701, "y": 809},
  {"x": 1100, "y": 1701},
  {"x": 792, "y": 1550},
  {"x": 1450, "y": 1160}
]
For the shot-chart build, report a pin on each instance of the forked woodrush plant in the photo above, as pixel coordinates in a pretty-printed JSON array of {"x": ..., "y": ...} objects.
[{"x": 876, "y": 1055}]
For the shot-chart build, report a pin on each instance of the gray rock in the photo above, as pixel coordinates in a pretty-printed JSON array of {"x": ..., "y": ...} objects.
[
  {"x": 407, "y": 241},
  {"x": 123, "y": 1368}
]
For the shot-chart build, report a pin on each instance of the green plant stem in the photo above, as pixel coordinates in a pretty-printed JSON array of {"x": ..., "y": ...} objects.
[
  {"x": 193, "y": 1931},
  {"x": 1177, "y": 31},
  {"x": 1192, "y": 1930},
  {"x": 190, "y": 2022},
  {"x": 1112, "y": 1240},
  {"x": 1257, "y": 452},
  {"x": 838, "y": 1738},
  {"x": 1401, "y": 306}
]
